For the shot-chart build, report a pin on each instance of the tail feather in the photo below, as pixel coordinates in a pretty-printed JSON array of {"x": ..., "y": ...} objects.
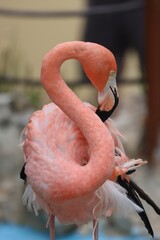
[
  {"x": 23, "y": 175},
  {"x": 131, "y": 193},
  {"x": 145, "y": 197}
]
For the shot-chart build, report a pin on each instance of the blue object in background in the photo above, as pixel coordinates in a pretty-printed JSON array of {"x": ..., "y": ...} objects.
[{"x": 18, "y": 232}]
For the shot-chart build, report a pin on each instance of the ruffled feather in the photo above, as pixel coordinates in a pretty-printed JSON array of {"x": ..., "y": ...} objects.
[
  {"x": 112, "y": 197},
  {"x": 30, "y": 200}
]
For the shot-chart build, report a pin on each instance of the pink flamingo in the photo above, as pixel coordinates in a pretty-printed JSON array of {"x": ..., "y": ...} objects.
[{"x": 73, "y": 157}]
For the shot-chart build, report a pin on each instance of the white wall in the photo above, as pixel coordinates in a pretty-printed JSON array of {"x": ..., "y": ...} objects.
[{"x": 29, "y": 39}]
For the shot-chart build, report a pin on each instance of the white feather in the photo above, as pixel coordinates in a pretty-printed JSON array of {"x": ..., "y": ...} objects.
[
  {"x": 113, "y": 197},
  {"x": 30, "y": 200}
]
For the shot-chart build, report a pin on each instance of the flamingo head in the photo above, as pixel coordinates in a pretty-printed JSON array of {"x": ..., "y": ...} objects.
[
  {"x": 108, "y": 95},
  {"x": 100, "y": 67}
]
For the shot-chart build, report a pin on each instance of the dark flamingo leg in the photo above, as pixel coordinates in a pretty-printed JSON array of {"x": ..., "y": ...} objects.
[
  {"x": 52, "y": 227},
  {"x": 95, "y": 229}
]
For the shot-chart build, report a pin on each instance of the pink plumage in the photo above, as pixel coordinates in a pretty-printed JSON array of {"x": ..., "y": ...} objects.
[{"x": 70, "y": 160}]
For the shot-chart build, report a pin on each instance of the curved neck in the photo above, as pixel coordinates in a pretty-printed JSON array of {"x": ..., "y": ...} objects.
[{"x": 101, "y": 163}]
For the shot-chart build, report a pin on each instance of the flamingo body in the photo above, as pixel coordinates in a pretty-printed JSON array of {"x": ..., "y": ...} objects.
[
  {"x": 68, "y": 145},
  {"x": 73, "y": 158}
]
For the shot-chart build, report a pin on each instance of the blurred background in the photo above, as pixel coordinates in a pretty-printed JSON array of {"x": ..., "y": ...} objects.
[{"x": 131, "y": 30}]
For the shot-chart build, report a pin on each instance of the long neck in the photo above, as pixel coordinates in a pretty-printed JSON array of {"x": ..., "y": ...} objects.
[{"x": 101, "y": 163}]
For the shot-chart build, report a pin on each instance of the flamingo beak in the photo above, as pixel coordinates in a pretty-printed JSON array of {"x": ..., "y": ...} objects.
[{"x": 106, "y": 98}]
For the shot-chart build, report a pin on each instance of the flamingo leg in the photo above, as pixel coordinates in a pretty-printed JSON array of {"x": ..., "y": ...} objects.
[
  {"x": 95, "y": 229},
  {"x": 52, "y": 227}
]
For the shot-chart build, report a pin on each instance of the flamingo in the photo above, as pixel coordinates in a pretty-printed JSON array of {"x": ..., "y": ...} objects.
[{"x": 75, "y": 166}]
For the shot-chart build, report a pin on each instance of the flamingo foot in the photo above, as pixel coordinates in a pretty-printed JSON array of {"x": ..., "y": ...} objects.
[
  {"x": 133, "y": 164},
  {"x": 128, "y": 166}
]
